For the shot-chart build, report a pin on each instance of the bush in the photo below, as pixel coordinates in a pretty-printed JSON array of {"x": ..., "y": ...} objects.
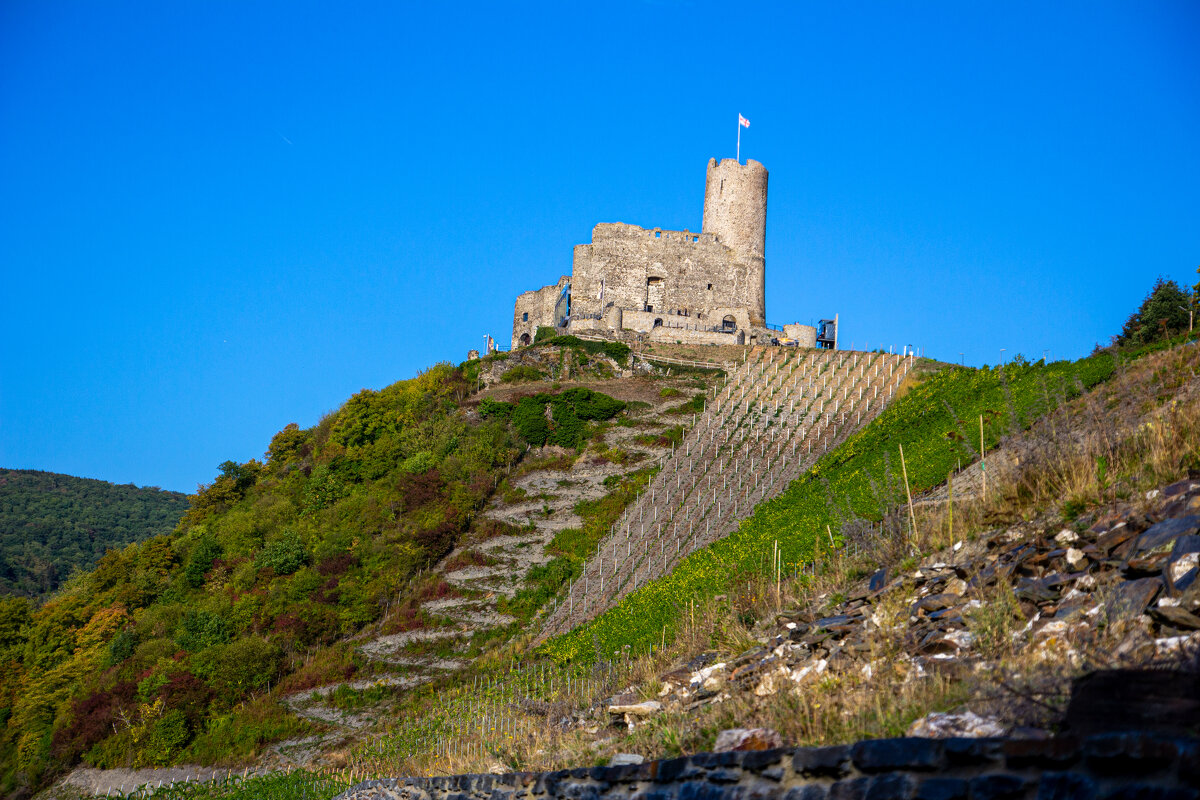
[
  {"x": 495, "y": 408},
  {"x": 419, "y": 463},
  {"x": 200, "y": 629},
  {"x": 529, "y": 418},
  {"x": 239, "y": 667},
  {"x": 201, "y": 559},
  {"x": 522, "y": 372},
  {"x": 544, "y": 333},
  {"x": 617, "y": 351},
  {"x": 284, "y": 556},
  {"x": 167, "y": 737}
]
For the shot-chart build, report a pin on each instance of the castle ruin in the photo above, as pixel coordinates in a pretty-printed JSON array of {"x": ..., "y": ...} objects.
[{"x": 705, "y": 287}]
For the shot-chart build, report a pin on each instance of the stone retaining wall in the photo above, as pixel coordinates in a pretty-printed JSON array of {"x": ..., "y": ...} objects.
[{"x": 1129, "y": 765}]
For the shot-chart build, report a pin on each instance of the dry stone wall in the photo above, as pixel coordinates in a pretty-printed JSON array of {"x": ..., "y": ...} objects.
[{"x": 1117, "y": 765}]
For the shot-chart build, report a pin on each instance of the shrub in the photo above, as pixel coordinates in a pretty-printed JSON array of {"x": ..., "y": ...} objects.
[
  {"x": 238, "y": 667},
  {"x": 495, "y": 408},
  {"x": 205, "y": 551},
  {"x": 522, "y": 372},
  {"x": 200, "y": 629},
  {"x": 529, "y": 418},
  {"x": 284, "y": 556},
  {"x": 421, "y": 462}
]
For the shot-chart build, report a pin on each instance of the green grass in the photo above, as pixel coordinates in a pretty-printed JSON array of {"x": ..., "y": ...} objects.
[{"x": 937, "y": 423}]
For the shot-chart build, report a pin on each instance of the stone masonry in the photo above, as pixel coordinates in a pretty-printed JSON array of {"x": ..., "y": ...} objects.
[
  {"x": 705, "y": 287},
  {"x": 1113, "y": 765}
]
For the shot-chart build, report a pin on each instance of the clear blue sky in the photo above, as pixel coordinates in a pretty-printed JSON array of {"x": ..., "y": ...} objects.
[{"x": 220, "y": 217}]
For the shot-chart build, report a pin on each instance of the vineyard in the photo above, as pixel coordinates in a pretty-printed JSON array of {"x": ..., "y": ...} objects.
[
  {"x": 935, "y": 423},
  {"x": 778, "y": 412}
]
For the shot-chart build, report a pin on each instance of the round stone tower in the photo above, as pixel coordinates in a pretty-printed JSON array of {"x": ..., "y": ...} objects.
[{"x": 735, "y": 209}]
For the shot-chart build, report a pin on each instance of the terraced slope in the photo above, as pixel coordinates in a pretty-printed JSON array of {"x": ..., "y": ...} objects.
[{"x": 539, "y": 504}]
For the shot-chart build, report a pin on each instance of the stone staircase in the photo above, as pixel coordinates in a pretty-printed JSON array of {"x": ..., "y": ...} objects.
[{"x": 777, "y": 413}]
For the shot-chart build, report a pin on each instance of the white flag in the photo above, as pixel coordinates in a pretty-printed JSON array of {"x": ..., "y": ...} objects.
[{"x": 745, "y": 123}]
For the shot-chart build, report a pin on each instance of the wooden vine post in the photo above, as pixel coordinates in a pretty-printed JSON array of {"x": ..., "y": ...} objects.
[{"x": 912, "y": 515}]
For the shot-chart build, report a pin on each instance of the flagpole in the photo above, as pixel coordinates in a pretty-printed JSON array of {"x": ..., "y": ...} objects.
[{"x": 739, "y": 145}]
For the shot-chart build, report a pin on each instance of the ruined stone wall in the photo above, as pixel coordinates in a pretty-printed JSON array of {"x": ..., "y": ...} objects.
[
  {"x": 696, "y": 271},
  {"x": 1103, "y": 766},
  {"x": 735, "y": 209},
  {"x": 535, "y": 309}
]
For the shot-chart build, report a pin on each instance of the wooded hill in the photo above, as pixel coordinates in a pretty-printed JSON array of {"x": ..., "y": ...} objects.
[
  {"x": 52, "y": 525},
  {"x": 165, "y": 651}
]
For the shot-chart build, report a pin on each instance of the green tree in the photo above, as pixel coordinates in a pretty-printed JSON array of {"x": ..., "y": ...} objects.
[{"x": 1162, "y": 314}]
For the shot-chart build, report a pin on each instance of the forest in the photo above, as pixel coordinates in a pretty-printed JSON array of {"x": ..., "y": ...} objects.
[{"x": 52, "y": 525}]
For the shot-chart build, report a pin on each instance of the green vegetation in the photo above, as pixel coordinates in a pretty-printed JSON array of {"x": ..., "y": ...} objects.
[
  {"x": 52, "y": 525},
  {"x": 565, "y": 426},
  {"x": 936, "y": 422},
  {"x": 617, "y": 351},
  {"x": 1161, "y": 316},
  {"x": 175, "y": 648}
]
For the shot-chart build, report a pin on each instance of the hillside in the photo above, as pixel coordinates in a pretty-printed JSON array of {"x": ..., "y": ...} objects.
[
  {"x": 322, "y": 570},
  {"x": 372, "y": 595},
  {"x": 52, "y": 525}
]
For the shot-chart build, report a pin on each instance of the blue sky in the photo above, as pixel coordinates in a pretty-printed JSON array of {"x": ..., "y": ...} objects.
[{"x": 220, "y": 217}]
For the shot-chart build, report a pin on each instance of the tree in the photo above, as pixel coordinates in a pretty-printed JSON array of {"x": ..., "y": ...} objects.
[{"x": 1163, "y": 314}]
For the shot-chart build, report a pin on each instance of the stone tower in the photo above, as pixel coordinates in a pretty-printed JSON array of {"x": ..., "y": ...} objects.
[{"x": 735, "y": 209}]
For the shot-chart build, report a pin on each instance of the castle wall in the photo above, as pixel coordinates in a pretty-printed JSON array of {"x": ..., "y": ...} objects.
[
  {"x": 691, "y": 272},
  {"x": 535, "y": 309},
  {"x": 735, "y": 209}
]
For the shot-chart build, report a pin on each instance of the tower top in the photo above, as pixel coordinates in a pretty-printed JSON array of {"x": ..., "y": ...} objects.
[{"x": 735, "y": 206}]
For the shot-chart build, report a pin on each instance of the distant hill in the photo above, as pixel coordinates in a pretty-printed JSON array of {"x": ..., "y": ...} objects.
[{"x": 51, "y": 523}]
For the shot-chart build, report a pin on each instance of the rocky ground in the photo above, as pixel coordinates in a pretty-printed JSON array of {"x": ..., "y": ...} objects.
[{"x": 1116, "y": 588}]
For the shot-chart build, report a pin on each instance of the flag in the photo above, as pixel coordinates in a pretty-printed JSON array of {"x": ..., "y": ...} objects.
[{"x": 745, "y": 123}]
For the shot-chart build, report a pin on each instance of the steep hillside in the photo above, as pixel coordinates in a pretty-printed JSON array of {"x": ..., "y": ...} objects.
[
  {"x": 376, "y": 551},
  {"x": 52, "y": 525},
  {"x": 371, "y": 595}
]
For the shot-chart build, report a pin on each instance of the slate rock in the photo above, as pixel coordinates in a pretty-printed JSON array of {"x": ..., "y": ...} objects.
[
  {"x": 878, "y": 580},
  {"x": 1176, "y": 617},
  {"x": 909, "y": 753},
  {"x": 743, "y": 739},
  {"x": 1132, "y": 598},
  {"x": 1166, "y": 532},
  {"x": 934, "y": 602},
  {"x": 1107, "y": 542}
]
